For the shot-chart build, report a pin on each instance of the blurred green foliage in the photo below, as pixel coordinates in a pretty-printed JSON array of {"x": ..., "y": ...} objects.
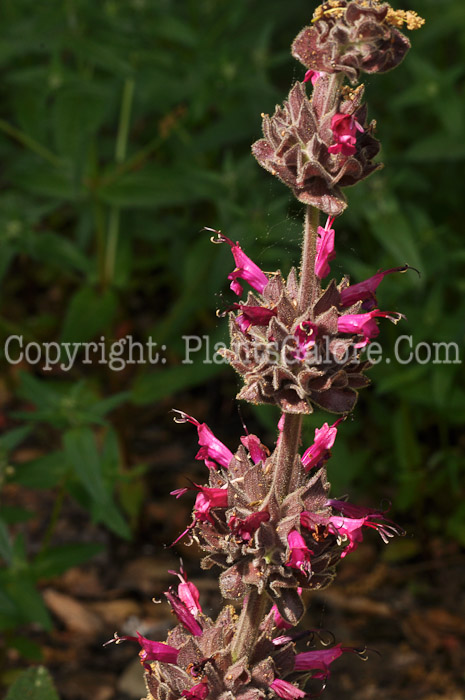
[{"x": 126, "y": 127}]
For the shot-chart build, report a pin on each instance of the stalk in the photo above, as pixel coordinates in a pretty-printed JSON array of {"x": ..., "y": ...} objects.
[
  {"x": 285, "y": 455},
  {"x": 248, "y": 625},
  {"x": 120, "y": 155},
  {"x": 309, "y": 285}
]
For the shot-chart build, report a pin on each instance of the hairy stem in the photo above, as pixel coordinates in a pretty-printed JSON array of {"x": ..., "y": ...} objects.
[
  {"x": 247, "y": 631},
  {"x": 309, "y": 284},
  {"x": 285, "y": 455}
]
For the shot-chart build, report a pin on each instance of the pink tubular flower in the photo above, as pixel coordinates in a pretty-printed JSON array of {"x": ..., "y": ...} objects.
[
  {"x": 257, "y": 451},
  {"x": 365, "y": 291},
  {"x": 212, "y": 450},
  {"x": 209, "y": 498},
  {"x": 185, "y": 604},
  {"x": 183, "y": 614},
  {"x": 345, "y": 127},
  {"x": 299, "y": 553},
  {"x": 319, "y": 660},
  {"x": 317, "y": 454},
  {"x": 245, "y": 528},
  {"x": 188, "y": 593},
  {"x": 206, "y": 499},
  {"x": 245, "y": 269},
  {"x": 324, "y": 249},
  {"x": 286, "y": 690},
  {"x": 151, "y": 651},
  {"x": 350, "y": 524},
  {"x": 313, "y": 76},
  {"x": 253, "y": 316},
  {"x": 365, "y": 324},
  {"x": 197, "y": 692}
]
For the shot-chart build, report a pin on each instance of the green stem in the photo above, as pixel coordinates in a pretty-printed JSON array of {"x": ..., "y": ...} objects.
[
  {"x": 120, "y": 155},
  {"x": 30, "y": 143},
  {"x": 248, "y": 626},
  {"x": 57, "y": 506},
  {"x": 309, "y": 284},
  {"x": 124, "y": 120},
  {"x": 286, "y": 454}
]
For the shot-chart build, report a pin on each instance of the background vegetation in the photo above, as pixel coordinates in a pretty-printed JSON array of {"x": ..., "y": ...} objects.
[{"x": 125, "y": 128}]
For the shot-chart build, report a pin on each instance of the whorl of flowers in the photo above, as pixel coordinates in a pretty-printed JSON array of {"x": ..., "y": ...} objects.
[
  {"x": 300, "y": 145},
  {"x": 297, "y": 358},
  {"x": 351, "y": 37},
  {"x": 277, "y": 547}
]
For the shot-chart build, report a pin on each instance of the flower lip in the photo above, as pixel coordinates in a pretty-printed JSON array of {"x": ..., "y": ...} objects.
[
  {"x": 150, "y": 651},
  {"x": 365, "y": 324},
  {"x": 212, "y": 450},
  {"x": 324, "y": 248},
  {"x": 245, "y": 268},
  {"x": 319, "y": 452},
  {"x": 344, "y": 128},
  {"x": 365, "y": 291}
]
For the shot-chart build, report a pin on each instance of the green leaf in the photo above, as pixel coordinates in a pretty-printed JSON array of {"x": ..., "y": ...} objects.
[
  {"x": 20, "y": 588},
  {"x": 78, "y": 112},
  {"x": 89, "y": 313},
  {"x": 27, "y": 648},
  {"x": 33, "y": 684},
  {"x": 42, "y": 473},
  {"x": 81, "y": 452},
  {"x": 58, "y": 251},
  {"x": 159, "y": 187},
  {"x": 57, "y": 560},
  {"x": 6, "y": 549},
  {"x": 11, "y": 439},
  {"x": 171, "y": 28},
  {"x": 87, "y": 462},
  {"x": 15, "y": 514},
  {"x": 48, "y": 181},
  {"x": 108, "y": 513},
  {"x": 166, "y": 382},
  {"x": 100, "y": 54}
]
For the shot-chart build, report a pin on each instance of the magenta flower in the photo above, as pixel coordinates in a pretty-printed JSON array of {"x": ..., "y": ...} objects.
[
  {"x": 188, "y": 593},
  {"x": 151, "y": 651},
  {"x": 253, "y": 316},
  {"x": 365, "y": 324},
  {"x": 212, "y": 450},
  {"x": 324, "y": 249},
  {"x": 319, "y": 660},
  {"x": 313, "y": 76},
  {"x": 286, "y": 690},
  {"x": 197, "y": 692},
  {"x": 245, "y": 528},
  {"x": 257, "y": 451},
  {"x": 245, "y": 269},
  {"x": 349, "y": 526},
  {"x": 345, "y": 127},
  {"x": 183, "y": 613},
  {"x": 299, "y": 553},
  {"x": 318, "y": 454},
  {"x": 209, "y": 498},
  {"x": 306, "y": 334},
  {"x": 365, "y": 291},
  {"x": 206, "y": 499}
]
